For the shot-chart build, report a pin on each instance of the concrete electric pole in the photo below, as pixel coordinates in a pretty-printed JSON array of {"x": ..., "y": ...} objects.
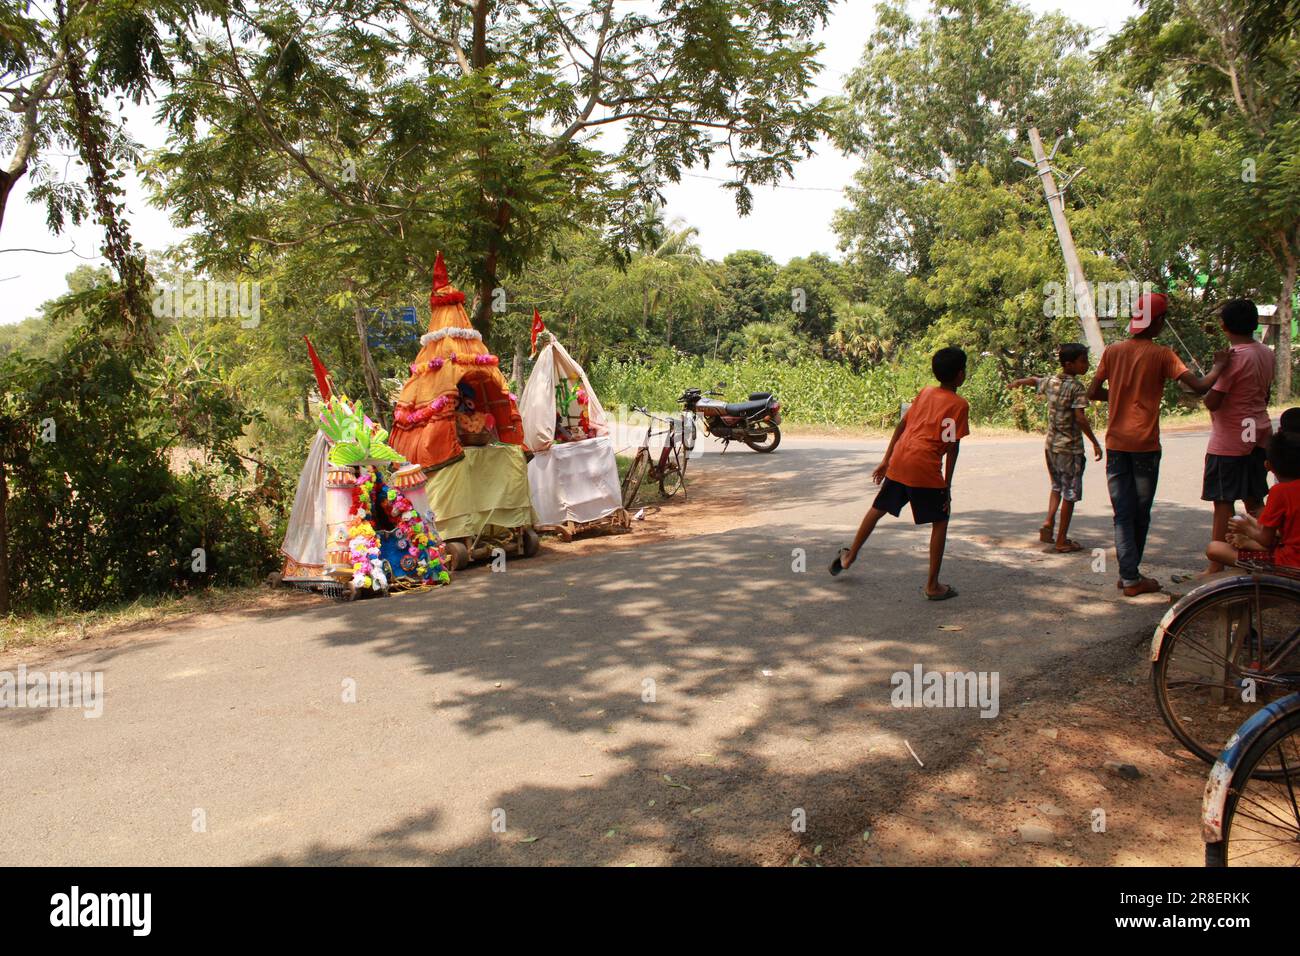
[{"x": 1042, "y": 166}]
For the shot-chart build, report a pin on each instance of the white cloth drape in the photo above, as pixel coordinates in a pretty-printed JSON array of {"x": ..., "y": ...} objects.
[
  {"x": 304, "y": 540},
  {"x": 537, "y": 404},
  {"x": 575, "y": 481}
]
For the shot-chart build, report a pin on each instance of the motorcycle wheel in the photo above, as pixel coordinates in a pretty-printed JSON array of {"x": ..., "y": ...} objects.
[{"x": 767, "y": 442}]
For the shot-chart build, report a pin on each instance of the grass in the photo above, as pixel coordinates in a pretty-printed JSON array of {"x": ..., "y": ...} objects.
[{"x": 59, "y": 627}]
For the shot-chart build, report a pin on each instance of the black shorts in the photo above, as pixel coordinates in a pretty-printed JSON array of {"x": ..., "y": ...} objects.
[
  {"x": 1235, "y": 477},
  {"x": 928, "y": 504}
]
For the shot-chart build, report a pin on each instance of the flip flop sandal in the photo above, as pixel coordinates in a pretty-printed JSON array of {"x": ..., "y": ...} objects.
[
  {"x": 951, "y": 592},
  {"x": 1070, "y": 547},
  {"x": 1045, "y": 534},
  {"x": 837, "y": 566}
]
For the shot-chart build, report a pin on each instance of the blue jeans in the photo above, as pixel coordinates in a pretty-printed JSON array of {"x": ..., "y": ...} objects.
[{"x": 1132, "y": 477}]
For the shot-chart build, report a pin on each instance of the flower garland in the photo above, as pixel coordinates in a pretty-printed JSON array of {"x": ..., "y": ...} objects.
[
  {"x": 454, "y": 332},
  {"x": 433, "y": 364},
  {"x": 455, "y": 297},
  {"x": 408, "y": 418},
  {"x": 417, "y": 539},
  {"x": 363, "y": 542}
]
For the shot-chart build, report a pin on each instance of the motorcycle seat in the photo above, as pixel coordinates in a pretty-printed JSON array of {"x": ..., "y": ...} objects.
[
  {"x": 746, "y": 408},
  {"x": 759, "y": 396}
]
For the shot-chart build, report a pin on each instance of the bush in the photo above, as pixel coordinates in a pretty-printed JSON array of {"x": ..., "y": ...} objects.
[
  {"x": 815, "y": 391},
  {"x": 96, "y": 513}
]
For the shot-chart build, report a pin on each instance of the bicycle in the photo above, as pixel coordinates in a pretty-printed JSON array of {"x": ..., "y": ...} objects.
[
  {"x": 1250, "y": 814},
  {"x": 1222, "y": 651},
  {"x": 670, "y": 468}
]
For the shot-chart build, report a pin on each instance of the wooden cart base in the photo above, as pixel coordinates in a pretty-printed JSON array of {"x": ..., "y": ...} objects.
[{"x": 617, "y": 521}]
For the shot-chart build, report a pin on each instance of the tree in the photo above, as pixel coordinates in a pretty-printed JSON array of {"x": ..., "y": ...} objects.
[
  {"x": 811, "y": 292},
  {"x": 1236, "y": 67},
  {"x": 470, "y": 125},
  {"x": 932, "y": 99},
  {"x": 747, "y": 274}
]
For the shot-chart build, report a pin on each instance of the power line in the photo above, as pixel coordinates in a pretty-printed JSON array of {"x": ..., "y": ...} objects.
[{"x": 815, "y": 189}]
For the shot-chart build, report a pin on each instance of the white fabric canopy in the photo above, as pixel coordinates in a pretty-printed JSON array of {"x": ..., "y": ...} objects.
[
  {"x": 304, "y": 540},
  {"x": 575, "y": 481},
  {"x": 537, "y": 404}
]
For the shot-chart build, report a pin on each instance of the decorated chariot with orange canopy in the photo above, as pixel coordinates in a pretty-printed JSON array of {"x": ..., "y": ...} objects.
[
  {"x": 456, "y": 394},
  {"x": 455, "y": 417}
]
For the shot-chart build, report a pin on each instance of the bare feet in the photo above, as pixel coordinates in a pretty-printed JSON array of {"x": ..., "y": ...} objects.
[{"x": 1144, "y": 586}]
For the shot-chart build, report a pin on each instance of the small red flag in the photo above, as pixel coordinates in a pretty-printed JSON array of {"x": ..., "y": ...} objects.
[
  {"x": 322, "y": 374},
  {"x": 538, "y": 328}
]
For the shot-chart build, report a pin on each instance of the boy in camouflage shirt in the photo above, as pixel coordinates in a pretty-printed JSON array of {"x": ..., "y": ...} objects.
[{"x": 1067, "y": 424}]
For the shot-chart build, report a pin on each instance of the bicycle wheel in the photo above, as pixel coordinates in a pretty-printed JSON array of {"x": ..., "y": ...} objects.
[
  {"x": 672, "y": 471},
  {"x": 635, "y": 475},
  {"x": 1220, "y": 658},
  {"x": 1261, "y": 817}
]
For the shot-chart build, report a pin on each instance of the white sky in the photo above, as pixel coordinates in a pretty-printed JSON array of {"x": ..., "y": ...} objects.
[{"x": 787, "y": 221}]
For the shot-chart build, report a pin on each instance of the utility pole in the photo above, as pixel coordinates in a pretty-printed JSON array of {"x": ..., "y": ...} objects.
[{"x": 1042, "y": 166}]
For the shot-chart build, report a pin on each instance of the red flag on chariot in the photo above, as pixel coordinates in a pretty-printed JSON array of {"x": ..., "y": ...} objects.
[
  {"x": 322, "y": 374},
  {"x": 538, "y": 328}
]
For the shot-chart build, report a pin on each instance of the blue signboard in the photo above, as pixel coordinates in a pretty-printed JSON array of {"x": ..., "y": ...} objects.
[{"x": 394, "y": 330}]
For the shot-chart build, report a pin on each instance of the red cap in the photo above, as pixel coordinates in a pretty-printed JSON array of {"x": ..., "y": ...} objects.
[{"x": 1149, "y": 307}]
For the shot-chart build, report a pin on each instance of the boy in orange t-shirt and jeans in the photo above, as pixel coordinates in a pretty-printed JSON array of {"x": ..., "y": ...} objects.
[
  {"x": 1136, "y": 371},
  {"x": 918, "y": 466}
]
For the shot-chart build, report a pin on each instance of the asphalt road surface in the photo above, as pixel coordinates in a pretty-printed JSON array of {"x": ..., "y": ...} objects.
[{"x": 650, "y": 700}]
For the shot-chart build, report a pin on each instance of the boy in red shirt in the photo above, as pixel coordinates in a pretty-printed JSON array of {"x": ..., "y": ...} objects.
[
  {"x": 918, "y": 466},
  {"x": 1273, "y": 537}
]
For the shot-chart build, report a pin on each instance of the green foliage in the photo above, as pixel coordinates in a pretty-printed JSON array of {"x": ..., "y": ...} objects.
[
  {"x": 812, "y": 391},
  {"x": 104, "y": 505}
]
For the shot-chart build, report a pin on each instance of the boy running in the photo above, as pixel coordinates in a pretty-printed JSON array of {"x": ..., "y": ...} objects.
[
  {"x": 1136, "y": 371},
  {"x": 1067, "y": 423},
  {"x": 918, "y": 466},
  {"x": 1239, "y": 422}
]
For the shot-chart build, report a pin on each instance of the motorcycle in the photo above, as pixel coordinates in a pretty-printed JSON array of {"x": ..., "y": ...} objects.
[{"x": 756, "y": 422}]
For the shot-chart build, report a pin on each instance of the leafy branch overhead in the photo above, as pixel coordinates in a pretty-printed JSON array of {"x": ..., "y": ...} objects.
[{"x": 389, "y": 128}]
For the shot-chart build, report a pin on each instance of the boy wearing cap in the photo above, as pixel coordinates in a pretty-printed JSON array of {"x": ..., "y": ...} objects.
[
  {"x": 1235, "y": 469},
  {"x": 1131, "y": 378}
]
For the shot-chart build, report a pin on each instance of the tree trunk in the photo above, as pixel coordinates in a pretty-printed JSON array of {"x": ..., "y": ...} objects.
[
  {"x": 1284, "y": 312},
  {"x": 7, "y": 181},
  {"x": 4, "y": 540},
  {"x": 517, "y": 370},
  {"x": 482, "y": 318},
  {"x": 379, "y": 408}
]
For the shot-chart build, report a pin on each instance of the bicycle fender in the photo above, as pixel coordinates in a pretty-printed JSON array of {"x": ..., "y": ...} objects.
[
  {"x": 1238, "y": 745},
  {"x": 1213, "y": 589}
]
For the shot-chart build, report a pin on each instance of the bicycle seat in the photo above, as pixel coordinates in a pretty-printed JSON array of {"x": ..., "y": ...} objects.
[{"x": 746, "y": 408}]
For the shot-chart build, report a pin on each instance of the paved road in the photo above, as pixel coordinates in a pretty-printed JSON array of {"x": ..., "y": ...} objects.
[{"x": 673, "y": 700}]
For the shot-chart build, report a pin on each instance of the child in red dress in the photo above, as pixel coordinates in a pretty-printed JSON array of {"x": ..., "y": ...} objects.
[{"x": 1274, "y": 537}]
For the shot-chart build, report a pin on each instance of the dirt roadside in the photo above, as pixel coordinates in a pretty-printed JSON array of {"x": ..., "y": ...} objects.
[{"x": 1050, "y": 765}]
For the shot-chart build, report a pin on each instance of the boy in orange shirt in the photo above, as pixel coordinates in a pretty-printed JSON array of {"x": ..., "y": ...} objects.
[
  {"x": 918, "y": 466},
  {"x": 1273, "y": 537},
  {"x": 1131, "y": 377}
]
